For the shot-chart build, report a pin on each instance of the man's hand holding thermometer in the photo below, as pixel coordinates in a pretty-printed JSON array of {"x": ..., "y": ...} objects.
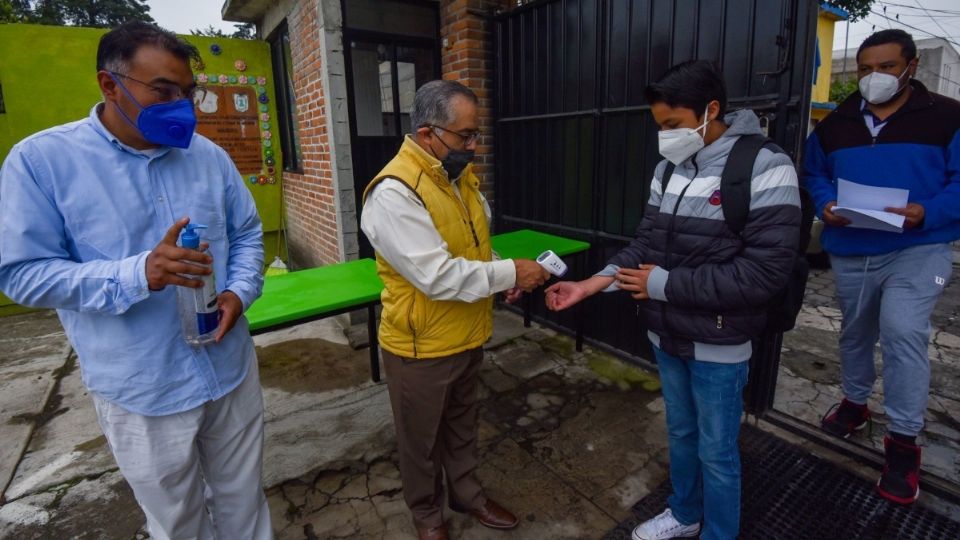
[{"x": 532, "y": 274}]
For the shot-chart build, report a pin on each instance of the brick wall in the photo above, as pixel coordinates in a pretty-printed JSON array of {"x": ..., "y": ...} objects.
[
  {"x": 468, "y": 57},
  {"x": 315, "y": 236},
  {"x": 311, "y": 209}
]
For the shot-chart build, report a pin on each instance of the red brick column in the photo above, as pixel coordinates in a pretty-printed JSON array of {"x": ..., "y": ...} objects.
[
  {"x": 311, "y": 210},
  {"x": 467, "y": 56}
]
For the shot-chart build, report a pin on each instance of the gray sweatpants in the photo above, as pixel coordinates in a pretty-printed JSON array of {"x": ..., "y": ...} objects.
[{"x": 890, "y": 297}]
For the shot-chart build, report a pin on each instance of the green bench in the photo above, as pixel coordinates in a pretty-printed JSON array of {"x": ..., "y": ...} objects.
[
  {"x": 317, "y": 293},
  {"x": 308, "y": 295}
]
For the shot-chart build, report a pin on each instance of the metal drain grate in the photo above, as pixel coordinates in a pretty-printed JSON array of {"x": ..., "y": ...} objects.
[{"x": 790, "y": 494}]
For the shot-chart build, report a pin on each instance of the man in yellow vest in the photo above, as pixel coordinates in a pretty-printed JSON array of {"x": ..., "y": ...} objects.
[{"x": 426, "y": 218}]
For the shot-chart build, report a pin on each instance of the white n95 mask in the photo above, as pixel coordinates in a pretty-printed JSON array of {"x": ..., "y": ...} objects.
[
  {"x": 677, "y": 145},
  {"x": 879, "y": 88}
]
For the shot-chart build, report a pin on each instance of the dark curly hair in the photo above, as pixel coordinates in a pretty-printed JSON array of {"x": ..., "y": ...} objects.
[{"x": 119, "y": 45}]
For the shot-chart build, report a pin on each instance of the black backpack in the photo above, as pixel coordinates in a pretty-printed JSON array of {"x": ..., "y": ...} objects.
[{"x": 735, "y": 198}]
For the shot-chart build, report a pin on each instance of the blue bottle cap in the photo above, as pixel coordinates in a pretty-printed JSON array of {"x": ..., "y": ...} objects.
[{"x": 189, "y": 238}]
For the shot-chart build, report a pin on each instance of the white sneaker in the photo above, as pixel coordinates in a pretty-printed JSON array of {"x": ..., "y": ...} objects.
[{"x": 663, "y": 527}]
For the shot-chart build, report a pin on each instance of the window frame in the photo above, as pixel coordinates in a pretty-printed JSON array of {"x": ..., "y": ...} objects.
[{"x": 286, "y": 101}]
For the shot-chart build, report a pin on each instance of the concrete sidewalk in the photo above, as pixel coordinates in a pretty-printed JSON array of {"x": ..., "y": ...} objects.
[{"x": 569, "y": 441}]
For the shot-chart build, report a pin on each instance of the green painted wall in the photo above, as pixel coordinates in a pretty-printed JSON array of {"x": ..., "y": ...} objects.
[{"x": 48, "y": 77}]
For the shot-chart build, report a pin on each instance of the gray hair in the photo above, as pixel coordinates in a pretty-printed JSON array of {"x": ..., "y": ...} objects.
[
  {"x": 432, "y": 103},
  {"x": 117, "y": 66}
]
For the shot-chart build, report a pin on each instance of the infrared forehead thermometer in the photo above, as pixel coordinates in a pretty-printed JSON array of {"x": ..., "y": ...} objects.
[{"x": 552, "y": 263}]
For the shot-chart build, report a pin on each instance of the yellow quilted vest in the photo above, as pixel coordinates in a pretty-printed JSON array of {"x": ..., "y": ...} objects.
[{"x": 411, "y": 324}]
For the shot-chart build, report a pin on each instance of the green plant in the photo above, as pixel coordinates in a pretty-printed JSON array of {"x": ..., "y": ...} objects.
[
  {"x": 857, "y": 9},
  {"x": 840, "y": 90}
]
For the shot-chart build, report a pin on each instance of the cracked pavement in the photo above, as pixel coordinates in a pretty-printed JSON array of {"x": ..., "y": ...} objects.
[
  {"x": 569, "y": 441},
  {"x": 545, "y": 418},
  {"x": 548, "y": 416}
]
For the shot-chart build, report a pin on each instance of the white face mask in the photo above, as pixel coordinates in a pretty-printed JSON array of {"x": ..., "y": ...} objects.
[
  {"x": 879, "y": 88},
  {"x": 677, "y": 145}
]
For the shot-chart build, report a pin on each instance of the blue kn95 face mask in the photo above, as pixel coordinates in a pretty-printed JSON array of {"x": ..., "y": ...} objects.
[{"x": 167, "y": 124}]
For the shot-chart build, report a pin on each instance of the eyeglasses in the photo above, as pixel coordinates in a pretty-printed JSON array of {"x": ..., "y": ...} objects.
[
  {"x": 468, "y": 138},
  {"x": 167, "y": 91}
]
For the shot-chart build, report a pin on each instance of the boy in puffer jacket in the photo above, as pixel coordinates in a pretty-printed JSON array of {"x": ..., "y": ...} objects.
[{"x": 703, "y": 290}]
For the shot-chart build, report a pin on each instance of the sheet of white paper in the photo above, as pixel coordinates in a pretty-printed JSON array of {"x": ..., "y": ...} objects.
[
  {"x": 864, "y": 205},
  {"x": 854, "y": 195},
  {"x": 871, "y": 219}
]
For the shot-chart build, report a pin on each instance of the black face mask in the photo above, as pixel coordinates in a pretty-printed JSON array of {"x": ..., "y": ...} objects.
[{"x": 456, "y": 161}]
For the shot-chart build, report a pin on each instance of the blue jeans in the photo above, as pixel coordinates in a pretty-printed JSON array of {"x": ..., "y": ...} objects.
[
  {"x": 890, "y": 298},
  {"x": 704, "y": 403}
]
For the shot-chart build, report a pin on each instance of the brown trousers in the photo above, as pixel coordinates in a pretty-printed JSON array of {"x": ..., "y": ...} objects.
[{"x": 434, "y": 406}]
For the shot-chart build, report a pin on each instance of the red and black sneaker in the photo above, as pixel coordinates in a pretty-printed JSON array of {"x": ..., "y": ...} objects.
[
  {"x": 843, "y": 419},
  {"x": 900, "y": 481}
]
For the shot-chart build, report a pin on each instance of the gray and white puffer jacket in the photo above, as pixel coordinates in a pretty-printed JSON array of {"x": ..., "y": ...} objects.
[{"x": 709, "y": 295}]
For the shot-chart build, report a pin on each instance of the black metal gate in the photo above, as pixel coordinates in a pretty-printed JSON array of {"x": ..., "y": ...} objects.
[{"x": 576, "y": 144}]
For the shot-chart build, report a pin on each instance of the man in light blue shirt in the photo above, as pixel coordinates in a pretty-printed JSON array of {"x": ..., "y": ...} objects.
[{"x": 90, "y": 213}]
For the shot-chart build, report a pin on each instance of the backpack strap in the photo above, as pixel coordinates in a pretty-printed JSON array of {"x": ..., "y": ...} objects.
[{"x": 736, "y": 178}]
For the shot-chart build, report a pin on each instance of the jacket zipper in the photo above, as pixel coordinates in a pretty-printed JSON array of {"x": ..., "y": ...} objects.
[
  {"x": 670, "y": 229},
  {"x": 673, "y": 216},
  {"x": 476, "y": 240},
  {"x": 719, "y": 322},
  {"x": 466, "y": 220}
]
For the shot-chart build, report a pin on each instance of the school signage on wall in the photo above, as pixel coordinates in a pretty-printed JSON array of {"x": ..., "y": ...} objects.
[{"x": 228, "y": 116}]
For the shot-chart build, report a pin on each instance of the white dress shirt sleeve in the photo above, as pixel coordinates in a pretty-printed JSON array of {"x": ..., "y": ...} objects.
[{"x": 402, "y": 232}]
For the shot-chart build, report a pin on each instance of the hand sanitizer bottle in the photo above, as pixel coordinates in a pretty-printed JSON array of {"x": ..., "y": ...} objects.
[{"x": 199, "y": 315}]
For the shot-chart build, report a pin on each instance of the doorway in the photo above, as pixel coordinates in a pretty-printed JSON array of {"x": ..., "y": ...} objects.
[{"x": 391, "y": 48}]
